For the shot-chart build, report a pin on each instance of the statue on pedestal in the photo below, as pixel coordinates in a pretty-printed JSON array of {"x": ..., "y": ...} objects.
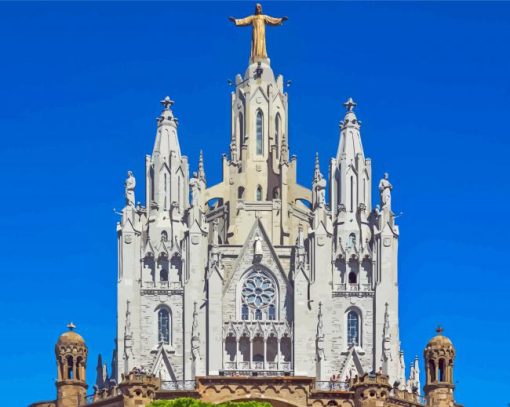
[
  {"x": 385, "y": 188},
  {"x": 258, "y": 37},
  {"x": 130, "y": 185},
  {"x": 195, "y": 189}
]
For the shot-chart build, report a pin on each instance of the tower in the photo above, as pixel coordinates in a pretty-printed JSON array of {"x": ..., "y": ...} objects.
[
  {"x": 230, "y": 281},
  {"x": 439, "y": 357},
  {"x": 71, "y": 355}
]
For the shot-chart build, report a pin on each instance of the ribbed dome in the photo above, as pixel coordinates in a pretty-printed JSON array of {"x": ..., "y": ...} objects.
[
  {"x": 440, "y": 341},
  {"x": 70, "y": 336}
]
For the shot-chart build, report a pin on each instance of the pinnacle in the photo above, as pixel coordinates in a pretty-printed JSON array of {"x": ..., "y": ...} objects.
[
  {"x": 350, "y": 105},
  {"x": 167, "y": 102}
]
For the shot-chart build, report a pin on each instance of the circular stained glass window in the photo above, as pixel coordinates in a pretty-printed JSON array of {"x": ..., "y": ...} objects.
[{"x": 258, "y": 290}]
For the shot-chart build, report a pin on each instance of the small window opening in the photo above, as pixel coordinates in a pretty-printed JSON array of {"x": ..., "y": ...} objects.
[
  {"x": 353, "y": 278},
  {"x": 259, "y": 193}
]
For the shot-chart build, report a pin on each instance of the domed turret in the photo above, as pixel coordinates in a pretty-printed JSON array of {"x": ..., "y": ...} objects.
[
  {"x": 71, "y": 354},
  {"x": 439, "y": 356}
]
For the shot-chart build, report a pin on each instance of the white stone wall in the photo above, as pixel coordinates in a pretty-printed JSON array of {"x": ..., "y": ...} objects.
[{"x": 204, "y": 294}]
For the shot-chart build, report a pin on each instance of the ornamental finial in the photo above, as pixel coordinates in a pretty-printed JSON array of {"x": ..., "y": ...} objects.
[
  {"x": 71, "y": 326},
  {"x": 167, "y": 102},
  {"x": 350, "y": 105},
  {"x": 439, "y": 330}
]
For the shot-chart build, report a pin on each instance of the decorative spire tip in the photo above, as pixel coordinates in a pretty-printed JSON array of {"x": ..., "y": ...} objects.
[
  {"x": 167, "y": 102},
  {"x": 350, "y": 105},
  {"x": 439, "y": 330},
  {"x": 71, "y": 326}
]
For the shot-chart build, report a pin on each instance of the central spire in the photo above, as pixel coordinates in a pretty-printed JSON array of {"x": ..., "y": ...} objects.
[{"x": 258, "y": 22}]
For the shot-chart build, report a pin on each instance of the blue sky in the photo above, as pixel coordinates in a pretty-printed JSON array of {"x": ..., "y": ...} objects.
[{"x": 81, "y": 85}]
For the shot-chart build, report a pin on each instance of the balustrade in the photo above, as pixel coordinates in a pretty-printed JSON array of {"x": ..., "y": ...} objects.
[{"x": 353, "y": 287}]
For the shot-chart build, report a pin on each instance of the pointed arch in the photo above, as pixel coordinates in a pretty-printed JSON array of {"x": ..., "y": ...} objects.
[
  {"x": 259, "y": 133},
  {"x": 353, "y": 324},
  {"x": 259, "y": 193},
  {"x": 164, "y": 331},
  {"x": 240, "y": 128},
  {"x": 277, "y": 130}
]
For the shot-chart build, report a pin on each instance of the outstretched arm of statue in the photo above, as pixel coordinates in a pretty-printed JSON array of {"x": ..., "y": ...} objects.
[
  {"x": 274, "y": 20},
  {"x": 241, "y": 21}
]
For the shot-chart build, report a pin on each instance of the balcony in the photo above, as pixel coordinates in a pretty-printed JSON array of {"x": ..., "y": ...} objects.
[
  {"x": 178, "y": 385},
  {"x": 353, "y": 289}
]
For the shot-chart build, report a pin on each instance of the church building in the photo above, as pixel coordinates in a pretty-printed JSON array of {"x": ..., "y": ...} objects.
[{"x": 257, "y": 286}]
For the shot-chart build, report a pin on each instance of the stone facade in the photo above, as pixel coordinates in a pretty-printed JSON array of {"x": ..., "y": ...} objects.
[
  {"x": 258, "y": 286},
  {"x": 191, "y": 250}
]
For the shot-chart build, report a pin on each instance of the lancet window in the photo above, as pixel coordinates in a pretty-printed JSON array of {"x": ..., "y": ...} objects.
[
  {"x": 353, "y": 325},
  {"x": 258, "y": 297},
  {"x": 241, "y": 128},
  {"x": 277, "y": 133},
  {"x": 164, "y": 326},
  {"x": 259, "y": 133},
  {"x": 259, "y": 193}
]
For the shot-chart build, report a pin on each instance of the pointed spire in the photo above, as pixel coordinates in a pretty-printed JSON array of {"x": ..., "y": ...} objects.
[
  {"x": 201, "y": 171},
  {"x": 166, "y": 115},
  {"x": 350, "y": 119},
  {"x": 317, "y": 169}
]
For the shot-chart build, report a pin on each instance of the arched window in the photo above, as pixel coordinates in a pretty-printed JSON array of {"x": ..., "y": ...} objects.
[
  {"x": 272, "y": 312},
  {"x": 441, "y": 370},
  {"x": 165, "y": 191},
  {"x": 240, "y": 124},
  {"x": 353, "y": 278},
  {"x": 70, "y": 368},
  {"x": 352, "y": 240},
  {"x": 259, "y": 139},
  {"x": 163, "y": 275},
  {"x": 352, "y": 194},
  {"x": 179, "y": 191},
  {"x": 352, "y": 328},
  {"x": 245, "y": 314},
  {"x": 164, "y": 236},
  {"x": 277, "y": 133},
  {"x": 432, "y": 370},
  {"x": 258, "y": 294},
  {"x": 259, "y": 193},
  {"x": 164, "y": 326},
  {"x": 79, "y": 362}
]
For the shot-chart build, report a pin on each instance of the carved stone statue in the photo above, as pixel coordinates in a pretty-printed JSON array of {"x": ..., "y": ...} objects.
[
  {"x": 258, "y": 37},
  {"x": 320, "y": 187},
  {"x": 385, "y": 188},
  {"x": 258, "y": 246},
  {"x": 130, "y": 185},
  {"x": 195, "y": 189}
]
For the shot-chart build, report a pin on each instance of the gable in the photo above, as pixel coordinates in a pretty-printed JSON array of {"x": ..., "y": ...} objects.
[{"x": 247, "y": 258}]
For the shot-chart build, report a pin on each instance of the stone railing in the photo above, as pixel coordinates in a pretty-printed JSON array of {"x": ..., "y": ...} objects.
[
  {"x": 266, "y": 366},
  {"x": 353, "y": 287},
  {"x": 281, "y": 328},
  {"x": 331, "y": 386},
  {"x": 178, "y": 385}
]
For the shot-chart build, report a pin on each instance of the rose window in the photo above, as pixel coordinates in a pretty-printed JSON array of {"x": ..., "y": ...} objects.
[{"x": 258, "y": 291}]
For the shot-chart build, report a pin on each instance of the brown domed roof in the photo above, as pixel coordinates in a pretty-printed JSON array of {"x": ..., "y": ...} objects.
[
  {"x": 70, "y": 336},
  {"x": 439, "y": 340}
]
